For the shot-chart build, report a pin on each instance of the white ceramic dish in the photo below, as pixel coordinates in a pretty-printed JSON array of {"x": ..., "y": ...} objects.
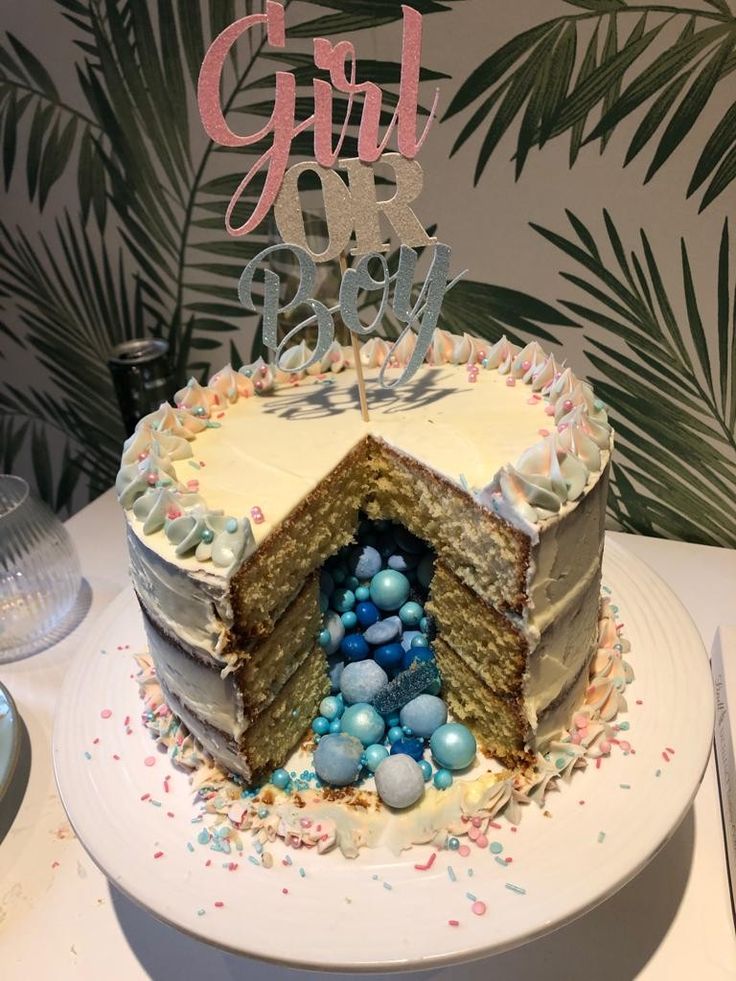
[
  {"x": 377, "y": 912},
  {"x": 9, "y": 739}
]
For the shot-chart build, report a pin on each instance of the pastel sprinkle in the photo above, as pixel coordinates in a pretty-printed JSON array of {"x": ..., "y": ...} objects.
[
  {"x": 601, "y": 837},
  {"x": 453, "y": 923},
  {"x": 658, "y": 773},
  {"x": 429, "y": 863},
  {"x": 105, "y": 714},
  {"x": 478, "y": 907},
  {"x": 88, "y": 755},
  {"x": 190, "y": 846},
  {"x": 471, "y": 897},
  {"x": 387, "y": 885},
  {"x": 501, "y": 861},
  {"x": 157, "y": 854},
  {"x": 464, "y": 851},
  {"x": 149, "y": 760},
  {"x": 451, "y": 874},
  {"x": 285, "y": 891},
  {"x": 625, "y": 786},
  {"x": 517, "y": 889},
  {"x": 200, "y": 912},
  {"x": 254, "y": 861},
  {"x": 496, "y": 847},
  {"x": 218, "y": 904},
  {"x": 302, "y": 873}
]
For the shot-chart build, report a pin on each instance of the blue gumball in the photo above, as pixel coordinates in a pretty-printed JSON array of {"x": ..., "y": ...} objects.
[
  {"x": 342, "y": 599},
  {"x": 354, "y": 648},
  {"x": 453, "y": 746},
  {"x": 337, "y": 758},
  {"x": 363, "y": 721},
  {"x": 389, "y": 656},
  {"x": 411, "y": 614},
  {"x": 409, "y": 747},
  {"x": 361, "y": 681},
  {"x": 367, "y": 613},
  {"x": 399, "y": 781},
  {"x": 330, "y": 707},
  {"x": 389, "y": 589},
  {"x": 374, "y": 755},
  {"x": 424, "y": 714}
]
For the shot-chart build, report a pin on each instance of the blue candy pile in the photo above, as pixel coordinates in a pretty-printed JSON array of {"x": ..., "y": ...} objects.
[{"x": 384, "y": 714}]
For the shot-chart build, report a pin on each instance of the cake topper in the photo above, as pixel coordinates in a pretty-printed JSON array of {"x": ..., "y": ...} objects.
[{"x": 351, "y": 205}]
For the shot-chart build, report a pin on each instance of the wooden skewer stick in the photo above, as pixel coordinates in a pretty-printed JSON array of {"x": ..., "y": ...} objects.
[{"x": 356, "y": 358}]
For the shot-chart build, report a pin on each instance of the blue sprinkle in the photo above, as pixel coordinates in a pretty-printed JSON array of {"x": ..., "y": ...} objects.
[
  {"x": 375, "y": 878},
  {"x": 203, "y": 837},
  {"x": 254, "y": 861},
  {"x": 470, "y": 873},
  {"x": 601, "y": 837},
  {"x": 387, "y": 885},
  {"x": 302, "y": 873},
  {"x": 287, "y": 859},
  {"x": 658, "y": 773},
  {"x": 471, "y": 897},
  {"x": 516, "y": 889},
  {"x": 500, "y": 861},
  {"x": 190, "y": 846},
  {"x": 88, "y": 755},
  {"x": 625, "y": 786},
  {"x": 451, "y": 873},
  {"x": 623, "y": 726},
  {"x": 200, "y": 912},
  {"x": 258, "y": 847},
  {"x": 156, "y": 803}
]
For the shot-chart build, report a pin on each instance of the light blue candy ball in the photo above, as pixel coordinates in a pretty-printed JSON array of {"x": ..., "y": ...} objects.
[
  {"x": 424, "y": 714},
  {"x": 336, "y": 725},
  {"x": 399, "y": 781},
  {"x": 335, "y": 673},
  {"x": 352, "y": 583},
  {"x": 361, "y": 681},
  {"x": 362, "y": 593},
  {"x": 362, "y": 721},
  {"x": 349, "y": 620},
  {"x": 383, "y": 631},
  {"x": 407, "y": 637},
  {"x": 336, "y": 630},
  {"x": 280, "y": 778},
  {"x": 320, "y": 725},
  {"x": 394, "y": 734},
  {"x": 420, "y": 640},
  {"x": 342, "y": 599},
  {"x": 442, "y": 779},
  {"x": 425, "y": 571},
  {"x": 453, "y": 746},
  {"x": 365, "y": 562},
  {"x": 337, "y": 758},
  {"x": 411, "y": 614},
  {"x": 389, "y": 589},
  {"x": 373, "y": 755},
  {"x": 426, "y": 768},
  {"x": 330, "y": 707}
]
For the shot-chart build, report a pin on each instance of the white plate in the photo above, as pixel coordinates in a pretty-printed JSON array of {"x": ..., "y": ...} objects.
[
  {"x": 378, "y": 913},
  {"x": 9, "y": 739}
]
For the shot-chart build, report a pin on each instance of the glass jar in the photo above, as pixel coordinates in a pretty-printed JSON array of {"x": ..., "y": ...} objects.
[{"x": 40, "y": 576}]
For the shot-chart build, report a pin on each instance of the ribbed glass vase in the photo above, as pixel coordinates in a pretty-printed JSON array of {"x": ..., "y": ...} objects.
[{"x": 39, "y": 571}]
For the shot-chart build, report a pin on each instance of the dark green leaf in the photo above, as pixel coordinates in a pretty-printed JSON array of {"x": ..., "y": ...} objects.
[
  {"x": 35, "y": 70},
  {"x": 41, "y": 460},
  {"x": 190, "y": 29},
  {"x": 55, "y": 157},
  {"x": 10, "y": 140},
  {"x": 235, "y": 359},
  {"x": 70, "y": 474},
  {"x": 654, "y": 116},
  {"x": 204, "y": 344},
  {"x": 723, "y": 136},
  {"x": 695, "y": 320},
  {"x": 495, "y": 67},
  {"x": 41, "y": 118},
  {"x": 562, "y": 64},
  {"x": 690, "y": 108},
  {"x": 530, "y": 128},
  {"x": 587, "y": 67},
  {"x": 341, "y": 23},
  {"x": 721, "y": 179}
]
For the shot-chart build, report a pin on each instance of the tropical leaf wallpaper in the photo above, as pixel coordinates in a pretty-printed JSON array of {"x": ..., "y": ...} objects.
[{"x": 584, "y": 169}]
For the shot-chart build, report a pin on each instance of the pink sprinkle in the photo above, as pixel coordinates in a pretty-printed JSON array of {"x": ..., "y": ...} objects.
[
  {"x": 152, "y": 478},
  {"x": 166, "y": 785},
  {"x": 543, "y": 432},
  {"x": 581, "y": 802},
  {"x": 54, "y": 865},
  {"x": 478, "y": 908},
  {"x": 481, "y": 841},
  {"x": 202, "y": 463},
  {"x": 193, "y": 483},
  {"x": 665, "y": 757},
  {"x": 598, "y": 763},
  {"x": 145, "y": 796},
  {"x": 495, "y": 826},
  {"x": 581, "y": 721},
  {"x": 285, "y": 891},
  {"x": 218, "y": 904},
  {"x": 464, "y": 851},
  {"x": 208, "y": 863},
  {"x": 158, "y": 854},
  {"x": 605, "y": 746},
  {"x": 510, "y": 382},
  {"x": 305, "y": 823},
  {"x": 150, "y": 760},
  {"x": 531, "y": 401},
  {"x": 115, "y": 756},
  {"x": 105, "y": 714},
  {"x": 220, "y": 415},
  {"x": 508, "y": 860},
  {"x": 428, "y": 864},
  {"x": 625, "y": 746},
  {"x": 549, "y": 409},
  {"x": 95, "y": 740},
  {"x": 514, "y": 828},
  {"x": 670, "y": 750},
  {"x": 232, "y": 866},
  {"x": 169, "y": 814},
  {"x": 476, "y": 822},
  {"x": 257, "y": 515},
  {"x": 576, "y": 739},
  {"x": 453, "y": 922},
  {"x": 639, "y": 701},
  {"x": 473, "y": 833},
  {"x": 567, "y": 405},
  {"x": 126, "y": 720}
]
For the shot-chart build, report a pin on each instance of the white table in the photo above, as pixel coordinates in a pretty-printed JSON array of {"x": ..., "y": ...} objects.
[{"x": 60, "y": 918}]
